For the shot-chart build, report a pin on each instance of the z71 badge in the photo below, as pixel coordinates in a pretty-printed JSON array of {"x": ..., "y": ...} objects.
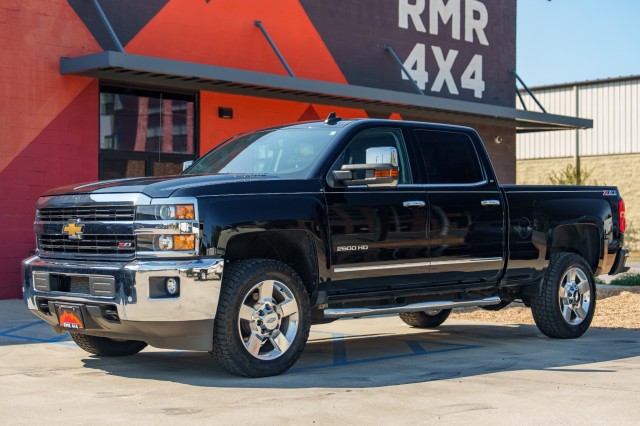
[
  {"x": 609, "y": 192},
  {"x": 352, "y": 248}
]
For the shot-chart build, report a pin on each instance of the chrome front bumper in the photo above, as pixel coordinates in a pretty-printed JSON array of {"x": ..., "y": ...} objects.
[{"x": 143, "y": 313}]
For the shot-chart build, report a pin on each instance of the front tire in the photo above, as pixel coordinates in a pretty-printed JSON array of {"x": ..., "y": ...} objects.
[
  {"x": 567, "y": 301},
  {"x": 263, "y": 318},
  {"x": 426, "y": 319},
  {"x": 103, "y": 346}
]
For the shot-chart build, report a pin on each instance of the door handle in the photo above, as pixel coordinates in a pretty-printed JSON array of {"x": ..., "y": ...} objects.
[
  {"x": 414, "y": 203},
  {"x": 489, "y": 203}
]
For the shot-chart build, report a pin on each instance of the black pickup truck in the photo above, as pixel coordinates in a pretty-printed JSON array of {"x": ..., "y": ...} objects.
[{"x": 279, "y": 229}]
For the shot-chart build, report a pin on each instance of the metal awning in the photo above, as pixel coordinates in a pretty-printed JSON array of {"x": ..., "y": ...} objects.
[{"x": 167, "y": 74}]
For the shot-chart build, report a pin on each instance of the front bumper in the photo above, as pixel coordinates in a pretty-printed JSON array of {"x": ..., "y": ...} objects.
[{"x": 125, "y": 301}]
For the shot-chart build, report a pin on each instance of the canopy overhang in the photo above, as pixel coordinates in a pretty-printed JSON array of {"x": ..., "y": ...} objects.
[{"x": 167, "y": 74}]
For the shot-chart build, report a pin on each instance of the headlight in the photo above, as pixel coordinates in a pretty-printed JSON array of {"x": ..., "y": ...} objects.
[
  {"x": 167, "y": 229},
  {"x": 166, "y": 212},
  {"x": 166, "y": 242}
]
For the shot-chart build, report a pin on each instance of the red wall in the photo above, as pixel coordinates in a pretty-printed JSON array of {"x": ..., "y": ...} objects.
[
  {"x": 49, "y": 122},
  {"x": 251, "y": 113}
]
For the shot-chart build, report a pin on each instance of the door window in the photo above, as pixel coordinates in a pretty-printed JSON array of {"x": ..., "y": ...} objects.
[
  {"x": 449, "y": 157},
  {"x": 356, "y": 151}
]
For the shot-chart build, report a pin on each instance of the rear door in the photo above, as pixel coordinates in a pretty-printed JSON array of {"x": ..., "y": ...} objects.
[
  {"x": 378, "y": 234},
  {"x": 466, "y": 209}
]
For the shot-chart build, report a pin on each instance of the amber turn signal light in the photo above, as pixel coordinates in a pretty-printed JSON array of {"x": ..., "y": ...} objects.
[
  {"x": 184, "y": 242},
  {"x": 185, "y": 211},
  {"x": 385, "y": 173}
]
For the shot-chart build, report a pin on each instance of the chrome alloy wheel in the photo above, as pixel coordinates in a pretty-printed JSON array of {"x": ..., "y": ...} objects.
[
  {"x": 268, "y": 320},
  {"x": 574, "y": 295}
]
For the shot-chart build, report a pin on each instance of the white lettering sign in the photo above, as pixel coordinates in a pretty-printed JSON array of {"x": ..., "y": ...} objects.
[{"x": 445, "y": 13}]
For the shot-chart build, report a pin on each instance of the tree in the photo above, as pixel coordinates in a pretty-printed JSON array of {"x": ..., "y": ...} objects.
[{"x": 571, "y": 175}]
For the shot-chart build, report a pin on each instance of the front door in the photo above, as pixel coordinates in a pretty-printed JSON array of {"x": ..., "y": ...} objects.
[{"x": 378, "y": 235}]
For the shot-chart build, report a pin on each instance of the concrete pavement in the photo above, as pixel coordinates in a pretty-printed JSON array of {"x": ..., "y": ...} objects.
[{"x": 374, "y": 371}]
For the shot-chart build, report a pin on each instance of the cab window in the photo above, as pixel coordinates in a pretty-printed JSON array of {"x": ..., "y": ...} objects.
[
  {"x": 356, "y": 151},
  {"x": 449, "y": 157}
]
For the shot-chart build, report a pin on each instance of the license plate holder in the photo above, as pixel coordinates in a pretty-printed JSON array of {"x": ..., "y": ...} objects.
[{"x": 70, "y": 317}]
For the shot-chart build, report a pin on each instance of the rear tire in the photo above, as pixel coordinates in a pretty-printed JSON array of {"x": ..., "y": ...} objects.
[
  {"x": 103, "y": 346},
  {"x": 263, "y": 318},
  {"x": 567, "y": 301},
  {"x": 426, "y": 319}
]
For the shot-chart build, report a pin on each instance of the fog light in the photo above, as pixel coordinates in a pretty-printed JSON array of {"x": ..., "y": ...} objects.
[{"x": 172, "y": 287}]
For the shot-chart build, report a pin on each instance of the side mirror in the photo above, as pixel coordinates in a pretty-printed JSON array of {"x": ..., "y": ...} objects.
[
  {"x": 381, "y": 169},
  {"x": 186, "y": 165}
]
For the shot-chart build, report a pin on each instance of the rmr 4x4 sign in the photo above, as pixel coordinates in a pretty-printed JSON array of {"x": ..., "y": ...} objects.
[{"x": 459, "y": 49}]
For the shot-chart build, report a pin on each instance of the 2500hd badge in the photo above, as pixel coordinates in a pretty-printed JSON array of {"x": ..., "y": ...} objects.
[{"x": 352, "y": 248}]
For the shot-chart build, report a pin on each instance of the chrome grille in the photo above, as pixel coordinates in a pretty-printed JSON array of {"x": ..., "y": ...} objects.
[
  {"x": 87, "y": 214},
  {"x": 89, "y": 244},
  {"x": 107, "y": 230}
]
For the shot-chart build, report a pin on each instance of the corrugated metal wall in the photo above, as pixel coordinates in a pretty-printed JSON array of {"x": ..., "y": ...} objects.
[{"x": 613, "y": 106}]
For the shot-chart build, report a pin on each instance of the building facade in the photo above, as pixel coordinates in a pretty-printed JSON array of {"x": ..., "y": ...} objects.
[
  {"x": 609, "y": 152},
  {"x": 95, "y": 89}
]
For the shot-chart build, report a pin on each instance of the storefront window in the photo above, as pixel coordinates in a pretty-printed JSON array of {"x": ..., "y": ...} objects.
[{"x": 145, "y": 133}]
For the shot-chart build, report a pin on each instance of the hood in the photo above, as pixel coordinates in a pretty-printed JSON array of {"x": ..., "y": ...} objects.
[{"x": 157, "y": 187}]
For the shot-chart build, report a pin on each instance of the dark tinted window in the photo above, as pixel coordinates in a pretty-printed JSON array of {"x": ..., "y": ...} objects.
[{"x": 449, "y": 157}]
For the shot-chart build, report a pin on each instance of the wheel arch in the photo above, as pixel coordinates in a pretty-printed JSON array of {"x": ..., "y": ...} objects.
[
  {"x": 584, "y": 239},
  {"x": 295, "y": 248}
]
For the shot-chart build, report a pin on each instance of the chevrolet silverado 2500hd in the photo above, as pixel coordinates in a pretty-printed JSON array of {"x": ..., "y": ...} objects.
[{"x": 278, "y": 229}]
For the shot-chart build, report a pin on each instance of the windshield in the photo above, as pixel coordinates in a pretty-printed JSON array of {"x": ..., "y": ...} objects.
[{"x": 288, "y": 152}]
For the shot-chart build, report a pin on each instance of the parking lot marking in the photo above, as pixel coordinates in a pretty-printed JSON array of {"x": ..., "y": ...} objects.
[
  {"x": 11, "y": 334},
  {"x": 417, "y": 349},
  {"x": 339, "y": 350},
  {"x": 20, "y": 327}
]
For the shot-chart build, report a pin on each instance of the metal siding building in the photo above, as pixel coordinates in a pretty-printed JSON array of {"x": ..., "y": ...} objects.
[
  {"x": 609, "y": 152},
  {"x": 611, "y": 103}
]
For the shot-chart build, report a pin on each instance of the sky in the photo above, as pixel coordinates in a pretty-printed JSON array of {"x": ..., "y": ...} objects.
[{"x": 562, "y": 41}]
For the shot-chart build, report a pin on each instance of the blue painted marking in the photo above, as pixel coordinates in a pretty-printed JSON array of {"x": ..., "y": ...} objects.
[
  {"x": 55, "y": 339},
  {"x": 387, "y": 358},
  {"x": 21, "y": 327},
  {"x": 416, "y": 347},
  {"x": 339, "y": 351},
  {"x": 30, "y": 339},
  {"x": 331, "y": 333},
  {"x": 59, "y": 338}
]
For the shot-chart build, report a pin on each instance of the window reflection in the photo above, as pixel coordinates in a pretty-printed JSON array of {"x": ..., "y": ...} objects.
[
  {"x": 142, "y": 123},
  {"x": 145, "y": 133}
]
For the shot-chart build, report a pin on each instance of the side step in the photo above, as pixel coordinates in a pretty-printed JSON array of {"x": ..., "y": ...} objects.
[{"x": 414, "y": 307}]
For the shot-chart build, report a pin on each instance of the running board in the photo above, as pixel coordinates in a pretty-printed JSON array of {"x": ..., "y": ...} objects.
[{"x": 414, "y": 307}]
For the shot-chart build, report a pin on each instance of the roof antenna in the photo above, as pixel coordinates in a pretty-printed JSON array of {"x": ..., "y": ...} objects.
[{"x": 332, "y": 119}]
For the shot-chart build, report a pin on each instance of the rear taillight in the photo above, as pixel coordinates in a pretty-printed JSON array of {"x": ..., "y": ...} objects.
[{"x": 623, "y": 218}]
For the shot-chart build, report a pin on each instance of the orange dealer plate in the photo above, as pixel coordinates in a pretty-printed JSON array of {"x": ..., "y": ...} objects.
[{"x": 70, "y": 317}]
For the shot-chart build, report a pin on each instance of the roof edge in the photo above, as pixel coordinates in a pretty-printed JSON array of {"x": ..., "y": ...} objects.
[{"x": 121, "y": 66}]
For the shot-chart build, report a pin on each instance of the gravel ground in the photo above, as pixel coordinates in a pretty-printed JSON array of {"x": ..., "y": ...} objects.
[{"x": 616, "y": 308}]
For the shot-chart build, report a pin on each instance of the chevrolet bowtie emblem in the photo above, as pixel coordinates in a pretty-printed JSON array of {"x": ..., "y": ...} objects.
[{"x": 73, "y": 230}]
